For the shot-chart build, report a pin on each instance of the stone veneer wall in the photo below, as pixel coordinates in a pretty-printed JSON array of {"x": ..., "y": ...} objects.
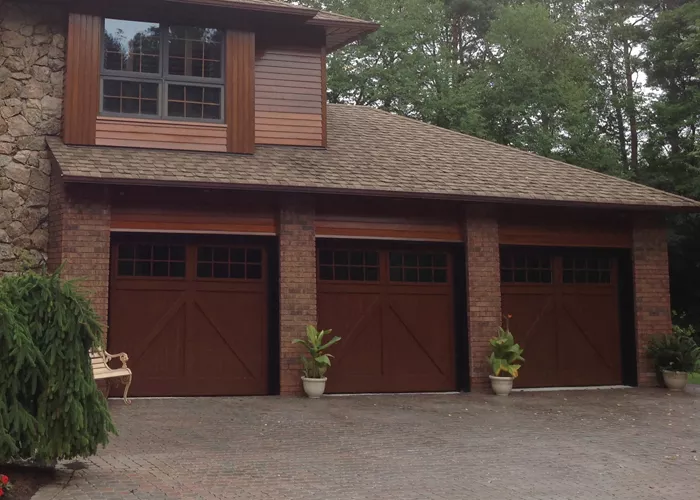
[{"x": 32, "y": 60}]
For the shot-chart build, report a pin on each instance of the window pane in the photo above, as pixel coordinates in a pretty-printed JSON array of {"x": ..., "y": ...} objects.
[
  {"x": 187, "y": 101},
  {"x": 238, "y": 271},
  {"x": 125, "y": 268},
  {"x": 195, "y": 52},
  {"x": 130, "y": 97},
  {"x": 131, "y": 46}
]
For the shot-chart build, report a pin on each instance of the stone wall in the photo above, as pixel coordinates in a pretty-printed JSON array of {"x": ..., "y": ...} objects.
[{"x": 32, "y": 60}]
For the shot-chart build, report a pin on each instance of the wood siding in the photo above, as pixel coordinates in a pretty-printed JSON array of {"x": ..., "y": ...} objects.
[
  {"x": 82, "y": 79},
  {"x": 160, "y": 134},
  {"x": 289, "y": 97},
  {"x": 240, "y": 91}
]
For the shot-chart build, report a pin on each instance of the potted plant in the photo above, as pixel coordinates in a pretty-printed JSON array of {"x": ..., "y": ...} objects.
[
  {"x": 316, "y": 362},
  {"x": 504, "y": 359},
  {"x": 675, "y": 356}
]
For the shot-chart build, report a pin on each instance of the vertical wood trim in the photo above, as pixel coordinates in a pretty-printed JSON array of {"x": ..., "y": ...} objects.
[
  {"x": 240, "y": 91},
  {"x": 324, "y": 99},
  {"x": 82, "y": 79}
]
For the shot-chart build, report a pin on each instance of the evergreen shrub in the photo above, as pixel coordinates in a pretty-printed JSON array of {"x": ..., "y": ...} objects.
[{"x": 50, "y": 406}]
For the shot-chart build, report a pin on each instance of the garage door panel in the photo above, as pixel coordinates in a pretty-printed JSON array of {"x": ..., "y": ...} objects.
[
  {"x": 565, "y": 315},
  {"x": 415, "y": 331},
  {"x": 187, "y": 335},
  {"x": 394, "y": 312}
]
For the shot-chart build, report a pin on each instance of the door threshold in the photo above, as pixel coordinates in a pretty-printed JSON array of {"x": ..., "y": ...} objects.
[
  {"x": 343, "y": 395},
  {"x": 585, "y": 388}
]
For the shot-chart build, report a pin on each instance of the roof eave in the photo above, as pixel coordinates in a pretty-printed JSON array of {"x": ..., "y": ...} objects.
[
  {"x": 379, "y": 193},
  {"x": 290, "y": 9}
]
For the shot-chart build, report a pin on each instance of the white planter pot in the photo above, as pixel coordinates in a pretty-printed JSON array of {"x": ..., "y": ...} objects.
[
  {"x": 314, "y": 387},
  {"x": 501, "y": 385},
  {"x": 675, "y": 381}
]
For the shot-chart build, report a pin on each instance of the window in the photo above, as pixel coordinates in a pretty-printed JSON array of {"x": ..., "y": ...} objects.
[
  {"x": 415, "y": 267},
  {"x": 523, "y": 268},
  {"x": 587, "y": 270},
  {"x": 229, "y": 263},
  {"x": 151, "y": 260},
  {"x": 344, "y": 265},
  {"x": 159, "y": 71}
]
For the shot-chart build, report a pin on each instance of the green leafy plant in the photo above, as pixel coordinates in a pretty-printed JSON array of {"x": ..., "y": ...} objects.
[
  {"x": 505, "y": 353},
  {"x": 675, "y": 352},
  {"x": 317, "y": 362},
  {"x": 51, "y": 408}
]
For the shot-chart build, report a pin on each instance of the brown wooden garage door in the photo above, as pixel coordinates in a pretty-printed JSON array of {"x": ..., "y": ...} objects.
[
  {"x": 192, "y": 317},
  {"x": 564, "y": 309},
  {"x": 393, "y": 309}
]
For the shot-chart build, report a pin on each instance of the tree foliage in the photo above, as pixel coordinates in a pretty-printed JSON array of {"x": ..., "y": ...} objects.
[
  {"x": 50, "y": 406},
  {"x": 610, "y": 85}
]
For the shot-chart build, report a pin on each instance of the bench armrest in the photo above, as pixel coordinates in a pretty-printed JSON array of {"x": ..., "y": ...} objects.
[{"x": 122, "y": 357}]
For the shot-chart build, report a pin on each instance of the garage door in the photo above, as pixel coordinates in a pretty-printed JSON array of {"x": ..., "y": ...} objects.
[
  {"x": 564, "y": 308},
  {"x": 192, "y": 316},
  {"x": 393, "y": 309}
]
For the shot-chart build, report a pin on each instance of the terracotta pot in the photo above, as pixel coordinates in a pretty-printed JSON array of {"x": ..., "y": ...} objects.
[
  {"x": 675, "y": 381},
  {"x": 314, "y": 387},
  {"x": 501, "y": 385}
]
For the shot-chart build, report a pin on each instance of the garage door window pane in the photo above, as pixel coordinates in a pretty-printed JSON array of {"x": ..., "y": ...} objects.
[
  {"x": 144, "y": 260},
  {"x": 412, "y": 267},
  {"x": 348, "y": 265},
  {"x": 229, "y": 263},
  {"x": 521, "y": 268},
  {"x": 587, "y": 270}
]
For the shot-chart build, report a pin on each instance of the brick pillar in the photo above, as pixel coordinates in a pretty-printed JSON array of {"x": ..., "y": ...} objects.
[
  {"x": 651, "y": 290},
  {"x": 297, "y": 288},
  {"x": 79, "y": 238},
  {"x": 483, "y": 292}
]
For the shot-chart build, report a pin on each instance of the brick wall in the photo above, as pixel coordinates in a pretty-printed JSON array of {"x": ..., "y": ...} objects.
[
  {"x": 483, "y": 292},
  {"x": 79, "y": 237},
  {"x": 651, "y": 287},
  {"x": 297, "y": 287}
]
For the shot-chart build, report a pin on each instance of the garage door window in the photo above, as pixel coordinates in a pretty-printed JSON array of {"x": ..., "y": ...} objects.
[
  {"x": 151, "y": 260},
  {"x": 229, "y": 263},
  {"x": 526, "y": 268},
  {"x": 591, "y": 270},
  {"x": 413, "y": 267},
  {"x": 348, "y": 265}
]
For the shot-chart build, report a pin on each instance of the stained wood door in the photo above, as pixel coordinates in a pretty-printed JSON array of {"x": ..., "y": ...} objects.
[
  {"x": 565, "y": 315},
  {"x": 393, "y": 309},
  {"x": 191, "y": 316}
]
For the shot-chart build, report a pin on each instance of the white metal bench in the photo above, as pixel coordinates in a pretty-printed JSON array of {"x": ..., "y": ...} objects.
[{"x": 102, "y": 371}]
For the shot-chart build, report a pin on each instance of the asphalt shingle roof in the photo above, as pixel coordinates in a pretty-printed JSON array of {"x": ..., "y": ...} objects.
[{"x": 372, "y": 152}]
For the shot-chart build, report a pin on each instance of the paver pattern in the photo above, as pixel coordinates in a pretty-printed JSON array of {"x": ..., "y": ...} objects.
[{"x": 622, "y": 444}]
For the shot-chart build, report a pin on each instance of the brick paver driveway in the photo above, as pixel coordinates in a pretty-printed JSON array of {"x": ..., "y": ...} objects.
[{"x": 631, "y": 444}]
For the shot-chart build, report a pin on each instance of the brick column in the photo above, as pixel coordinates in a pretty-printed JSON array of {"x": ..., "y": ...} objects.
[
  {"x": 297, "y": 287},
  {"x": 483, "y": 292},
  {"x": 651, "y": 290},
  {"x": 79, "y": 238}
]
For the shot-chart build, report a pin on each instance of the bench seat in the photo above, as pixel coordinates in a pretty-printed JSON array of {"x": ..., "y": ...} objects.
[{"x": 102, "y": 371}]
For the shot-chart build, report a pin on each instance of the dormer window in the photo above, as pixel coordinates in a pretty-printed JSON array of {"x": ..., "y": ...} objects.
[{"x": 162, "y": 71}]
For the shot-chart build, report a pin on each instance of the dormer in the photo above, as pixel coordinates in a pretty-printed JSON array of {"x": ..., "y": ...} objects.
[{"x": 201, "y": 75}]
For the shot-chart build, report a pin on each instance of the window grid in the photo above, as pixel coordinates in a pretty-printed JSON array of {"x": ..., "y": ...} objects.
[
  {"x": 415, "y": 267},
  {"x": 163, "y": 261},
  {"x": 222, "y": 262},
  {"x": 526, "y": 269},
  {"x": 348, "y": 265},
  {"x": 590, "y": 270},
  {"x": 119, "y": 94},
  {"x": 211, "y": 110}
]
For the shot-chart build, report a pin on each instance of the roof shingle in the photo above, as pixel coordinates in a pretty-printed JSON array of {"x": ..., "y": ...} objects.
[{"x": 373, "y": 152}]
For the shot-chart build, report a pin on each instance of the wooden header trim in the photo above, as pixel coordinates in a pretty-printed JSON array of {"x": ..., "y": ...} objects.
[
  {"x": 160, "y": 134},
  {"x": 144, "y": 219},
  {"x": 240, "y": 91},
  {"x": 574, "y": 235},
  {"x": 82, "y": 79},
  {"x": 389, "y": 229}
]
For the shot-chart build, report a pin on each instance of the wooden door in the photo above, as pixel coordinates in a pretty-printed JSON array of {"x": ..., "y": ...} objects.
[
  {"x": 191, "y": 315},
  {"x": 393, "y": 309},
  {"x": 564, "y": 310}
]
